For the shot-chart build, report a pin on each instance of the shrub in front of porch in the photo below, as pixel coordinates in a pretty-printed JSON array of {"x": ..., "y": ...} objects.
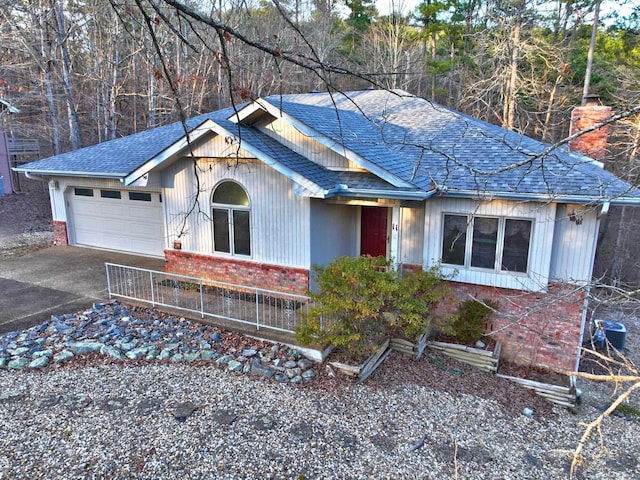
[{"x": 362, "y": 301}]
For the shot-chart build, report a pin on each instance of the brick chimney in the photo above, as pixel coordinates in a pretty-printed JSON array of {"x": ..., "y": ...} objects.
[{"x": 594, "y": 143}]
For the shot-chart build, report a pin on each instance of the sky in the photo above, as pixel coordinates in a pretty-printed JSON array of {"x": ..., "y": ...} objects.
[
  {"x": 407, "y": 6},
  {"x": 386, "y": 6}
]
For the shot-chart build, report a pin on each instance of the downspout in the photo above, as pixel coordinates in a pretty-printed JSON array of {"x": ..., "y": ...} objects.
[
  {"x": 31, "y": 176},
  {"x": 603, "y": 211}
]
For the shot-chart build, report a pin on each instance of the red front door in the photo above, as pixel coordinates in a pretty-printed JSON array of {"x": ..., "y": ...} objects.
[{"x": 373, "y": 231}]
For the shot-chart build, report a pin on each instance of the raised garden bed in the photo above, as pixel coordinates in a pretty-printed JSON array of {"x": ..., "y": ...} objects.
[
  {"x": 543, "y": 383},
  {"x": 483, "y": 359},
  {"x": 365, "y": 369},
  {"x": 554, "y": 387}
]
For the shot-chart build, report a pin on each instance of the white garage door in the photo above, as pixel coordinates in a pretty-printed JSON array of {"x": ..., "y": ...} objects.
[{"x": 128, "y": 221}]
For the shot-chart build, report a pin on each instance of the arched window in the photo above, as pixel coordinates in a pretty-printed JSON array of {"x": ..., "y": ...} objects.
[{"x": 230, "y": 211}]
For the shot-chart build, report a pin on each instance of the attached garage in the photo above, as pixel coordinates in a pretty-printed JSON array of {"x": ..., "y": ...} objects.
[{"x": 125, "y": 220}]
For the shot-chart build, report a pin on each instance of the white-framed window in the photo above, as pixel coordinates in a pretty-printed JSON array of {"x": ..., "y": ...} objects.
[
  {"x": 231, "y": 214},
  {"x": 500, "y": 244}
]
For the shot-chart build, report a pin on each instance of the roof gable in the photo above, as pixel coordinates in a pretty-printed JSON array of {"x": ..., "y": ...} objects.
[
  {"x": 411, "y": 147},
  {"x": 434, "y": 147},
  {"x": 308, "y": 123}
]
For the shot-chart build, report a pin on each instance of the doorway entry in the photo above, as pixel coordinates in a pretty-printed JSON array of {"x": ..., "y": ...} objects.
[{"x": 374, "y": 231}]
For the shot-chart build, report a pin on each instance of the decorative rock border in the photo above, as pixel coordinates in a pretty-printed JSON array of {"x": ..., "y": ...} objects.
[{"x": 116, "y": 332}]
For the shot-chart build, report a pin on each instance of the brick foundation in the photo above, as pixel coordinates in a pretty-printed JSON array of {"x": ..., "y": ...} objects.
[
  {"x": 536, "y": 329},
  {"x": 540, "y": 329},
  {"x": 240, "y": 272},
  {"x": 60, "y": 236}
]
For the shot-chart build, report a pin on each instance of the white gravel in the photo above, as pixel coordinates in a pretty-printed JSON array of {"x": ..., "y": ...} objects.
[
  {"x": 27, "y": 239},
  {"x": 117, "y": 422}
]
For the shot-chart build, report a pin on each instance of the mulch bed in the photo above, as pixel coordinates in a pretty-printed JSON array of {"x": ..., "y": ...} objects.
[
  {"x": 441, "y": 373},
  {"x": 537, "y": 374}
]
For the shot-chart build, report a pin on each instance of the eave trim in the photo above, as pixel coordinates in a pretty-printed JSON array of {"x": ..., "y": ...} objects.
[{"x": 169, "y": 152}]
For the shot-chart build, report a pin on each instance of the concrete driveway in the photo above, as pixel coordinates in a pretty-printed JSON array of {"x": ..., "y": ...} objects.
[{"x": 57, "y": 280}]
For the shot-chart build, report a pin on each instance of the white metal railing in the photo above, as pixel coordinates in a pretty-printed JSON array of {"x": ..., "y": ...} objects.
[{"x": 237, "y": 303}]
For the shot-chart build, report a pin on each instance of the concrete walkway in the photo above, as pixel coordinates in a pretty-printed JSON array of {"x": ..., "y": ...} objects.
[{"x": 57, "y": 280}]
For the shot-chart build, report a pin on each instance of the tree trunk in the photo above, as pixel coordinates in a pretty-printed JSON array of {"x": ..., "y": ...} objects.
[
  {"x": 512, "y": 88},
  {"x": 433, "y": 62},
  {"x": 75, "y": 132},
  {"x": 592, "y": 47},
  {"x": 45, "y": 62},
  {"x": 547, "y": 136}
]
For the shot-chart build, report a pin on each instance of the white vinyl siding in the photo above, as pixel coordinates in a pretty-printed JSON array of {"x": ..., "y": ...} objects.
[
  {"x": 574, "y": 244},
  {"x": 411, "y": 235},
  {"x": 279, "y": 219},
  {"x": 217, "y": 146},
  {"x": 542, "y": 216},
  {"x": 306, "y": 146}
]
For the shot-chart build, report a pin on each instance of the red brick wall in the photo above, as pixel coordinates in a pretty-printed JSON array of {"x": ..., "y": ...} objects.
[
  {"x": 240, "y": 272},
  {"x": 60, "y": 236},
  {"x": 592, "y": 144},
  {"x": 540, "y": 329}
]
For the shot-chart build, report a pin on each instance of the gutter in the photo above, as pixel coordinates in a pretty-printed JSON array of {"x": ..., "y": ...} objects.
[
  {"x": 62, "y": 173},
  {"x": 31, "y": 176},
  {"x": 604, "y": 210},
  {"x": 579, "y": 199},
  {"x": 345, "y": 191},
  {"x": 585, "y": 302}
]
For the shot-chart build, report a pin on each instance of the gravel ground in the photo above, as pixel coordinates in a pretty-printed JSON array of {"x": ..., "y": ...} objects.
[
  {"x": 434, "y": 418},
  {"x": 25, "y": 223},
  {"x": 117, "y": 422}
]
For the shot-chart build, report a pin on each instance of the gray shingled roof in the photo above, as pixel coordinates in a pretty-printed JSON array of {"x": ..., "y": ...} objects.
[
  {"x": 115, "y": 158},
  {"x": 411, "y": 138},
  {"x": 321, "y": 176},
  {"x": 428, "y": 145}
]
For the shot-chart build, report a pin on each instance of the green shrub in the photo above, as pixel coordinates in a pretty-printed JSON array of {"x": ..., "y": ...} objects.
[
  {"x": 629, "y": 411},
  {"x": 471, "y": 320},
  {"x": 361, "y": 301}
]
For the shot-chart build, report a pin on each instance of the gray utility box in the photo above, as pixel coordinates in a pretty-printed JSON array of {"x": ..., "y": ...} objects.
[{"x": 615, "y": 333}]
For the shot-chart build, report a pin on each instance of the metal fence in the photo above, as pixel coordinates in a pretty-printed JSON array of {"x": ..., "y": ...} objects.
[{"x": 278, "y": 311}]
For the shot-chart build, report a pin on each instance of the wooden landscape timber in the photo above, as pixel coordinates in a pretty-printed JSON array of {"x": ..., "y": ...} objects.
[
  {"x": 410, "y": 348},
  {"x": 374, "y": 361},
  {"x": 483, "y": 359},
  {"x": 564, "y": 396},
  {"x": 401, "y": 345}
]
